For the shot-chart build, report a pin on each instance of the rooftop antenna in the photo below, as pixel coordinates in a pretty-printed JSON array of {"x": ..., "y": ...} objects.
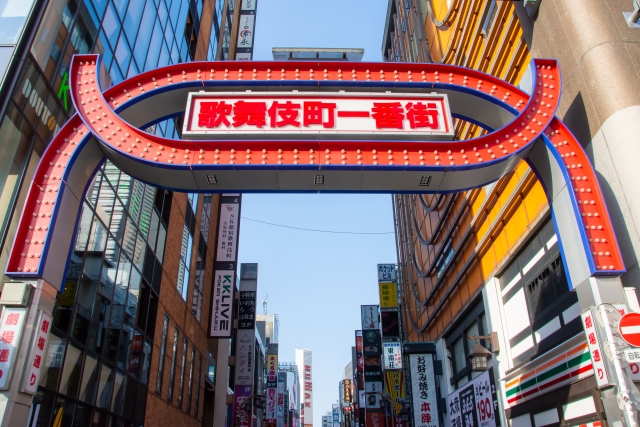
[{"x": 264, "y": 304}]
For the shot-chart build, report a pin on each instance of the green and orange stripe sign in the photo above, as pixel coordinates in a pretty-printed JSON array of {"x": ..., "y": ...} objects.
[{"x": 565, "y": 369}]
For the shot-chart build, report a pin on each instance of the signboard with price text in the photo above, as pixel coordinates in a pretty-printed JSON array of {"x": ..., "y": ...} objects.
[{"x": 475, "y": 404}]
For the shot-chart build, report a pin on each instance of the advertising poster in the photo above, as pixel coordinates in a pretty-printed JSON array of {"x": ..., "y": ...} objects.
[
  {"x": 475, "y": 404},
  {"x": 423, "y": 390}
]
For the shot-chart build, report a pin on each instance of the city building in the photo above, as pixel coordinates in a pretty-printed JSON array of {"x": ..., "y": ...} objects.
[
  {"x": 291, "y": 401},
  {"x": 305, "y": 370},
  {"x": 271, "y": 325},
  {"x": 327, "y": 419},
  {"x": 488, "y": 260},
  {"x": 129, "y": 341},
  {"x": 317, "y": 54}
]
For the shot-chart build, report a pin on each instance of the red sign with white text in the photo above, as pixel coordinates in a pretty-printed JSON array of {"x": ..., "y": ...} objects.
[{"x": 314, "y": 115}]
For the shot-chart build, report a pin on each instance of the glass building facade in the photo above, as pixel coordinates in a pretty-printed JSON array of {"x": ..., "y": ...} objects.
[{"x": 99, "y": 361}]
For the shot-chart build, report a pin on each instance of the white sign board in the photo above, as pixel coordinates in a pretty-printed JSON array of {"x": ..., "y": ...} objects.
[
  {"x": 369, "y": 316},
  {"x": 245, "y": 31},
  {"x": 10, "y": 333},
  {"x": 36, "y": 354},
  {"x": 595, "y": 349},
  {"x": 387, "y": 273},
  {"x": 423, "y": 389},
  {"x": 373, "y": 392},
  {"x": 392, "y": 356},
  {"x": 222, "y": 304},
  {"x": 475, "y": 403},
  {"x": 338, "y": 115},
  {"x": 249, "y": 4},
  {"x": 243, "y": 56},
  {"x": 244, "y": 357},
  {"x": 228, "y": 233}
]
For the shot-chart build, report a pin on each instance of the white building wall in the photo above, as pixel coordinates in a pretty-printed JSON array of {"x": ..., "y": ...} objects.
[{"x": 305, "y": 374}]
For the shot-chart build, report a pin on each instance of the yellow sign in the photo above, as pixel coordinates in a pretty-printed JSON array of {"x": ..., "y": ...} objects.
[
  {"x": 388, "y": 295},
  {"x": 394, "y": 386}
]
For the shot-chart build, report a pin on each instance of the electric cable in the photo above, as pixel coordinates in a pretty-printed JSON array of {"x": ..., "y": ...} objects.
[{"x": 316, "y": 231}]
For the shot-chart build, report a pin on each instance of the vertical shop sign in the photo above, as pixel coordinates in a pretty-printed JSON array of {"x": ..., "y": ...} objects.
[
  {"x": 595, "y": 349},
  {"x": 224, "y": 278},
  {"x": 373, "y": 392},
  {"x": 282, "y": 379},
  {"x": 36, "y": 355},
  {"x": 392, "y": 355},
  {"x": 475, "y": 404},
  {"x": 394, "y": 386},
  {"x": 272, "y": 387},
  {"x": 388, "y": 295},
  {"x": 423, "y": 391},
  {"x": 370, "y": 319},
  {"x": 245, "y": 344},
  {"x": 246, "y": 30},
  {"x": 336, "y": 414},
  {"x": 390, "y": 324},
  {"x": 10, "y": 334},
  {"x": 387, "y": 273},
  {"x": 347, "y": 391}
]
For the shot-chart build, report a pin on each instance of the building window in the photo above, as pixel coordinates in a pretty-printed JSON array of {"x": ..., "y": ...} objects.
[
  {"x": 174, "y": 356},
  {"x": 445, "y": 258},
  {"x": 540, "y": 311},
  {"x": 182, "y": 369},
  {"x": 196, "y": 408},
  {"x": 491, "y": 16},
  {"x": 193, "y": 358},
  {"x": 186, "y": 249},
  {"x": 459, "y": 346},
  {"x": 163, "y": 348},
  {"x": 199, "y": 277}
]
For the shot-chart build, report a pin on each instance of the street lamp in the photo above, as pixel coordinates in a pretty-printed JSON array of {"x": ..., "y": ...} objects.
[{"x": 479, "y": 355}]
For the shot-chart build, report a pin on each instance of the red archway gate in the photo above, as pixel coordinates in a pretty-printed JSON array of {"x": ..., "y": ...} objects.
[{"x": 108, "y": 125}]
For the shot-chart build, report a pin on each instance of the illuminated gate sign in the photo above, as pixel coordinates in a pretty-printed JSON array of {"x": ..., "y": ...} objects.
[{"x": 333, "y": 116}]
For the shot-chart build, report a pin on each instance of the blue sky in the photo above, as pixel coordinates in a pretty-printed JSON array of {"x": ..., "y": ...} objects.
[{"x": 316, "y": 282}]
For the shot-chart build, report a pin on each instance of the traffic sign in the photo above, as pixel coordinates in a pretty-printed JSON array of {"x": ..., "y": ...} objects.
[{"x": 629, "y": 327}]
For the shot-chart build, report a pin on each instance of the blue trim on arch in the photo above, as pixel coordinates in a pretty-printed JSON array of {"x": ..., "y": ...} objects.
[{"x": 472, "y": 121}]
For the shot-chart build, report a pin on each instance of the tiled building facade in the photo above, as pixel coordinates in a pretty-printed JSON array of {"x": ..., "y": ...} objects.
[{"x": 488, "y": 260}]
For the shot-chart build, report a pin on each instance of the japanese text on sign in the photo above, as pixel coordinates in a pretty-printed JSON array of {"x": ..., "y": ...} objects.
[
  {"x": 599, "y": 367},
  {"x": 37, "y": 356},
  {"x": 10, "y": 332},
  {"x": 475, "y": 404},
  {"x": 392, "y": 355},
  {"x": 327, "y": 114},
  {"x": 423, "y": 387}
]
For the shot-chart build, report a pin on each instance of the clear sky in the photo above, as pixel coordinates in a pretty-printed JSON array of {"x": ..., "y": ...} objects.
[{"x": 316, "y": 282}]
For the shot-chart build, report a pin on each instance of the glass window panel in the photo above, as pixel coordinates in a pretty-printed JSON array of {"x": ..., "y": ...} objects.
[
  {"x": 196, "y": 409},
  {"x": 182, "y": 370},
  {"x": 100, "y": 6},
  {"x": 168, "y": 34},
  {"x": 119, "y": 386},
  {"x": 162, "y": 237},
  {"x": 111, "y": 25},
  {"x": 163, "y": 348},
  {"x": 124, "y": 188},
  {"x": 94, "y": 188},
  {"x": 151, "y": 59},
  {"x": 136, "y": 200},
  {"x": 162, "y": 13},
  {"x": 133, "y": 69},
  {"x": 82, "y": 416},
  {"x": 97, "y": 237},
  {"x": 105, "y": 385},
  {"x": 126, "y": 339},
  {"x": 12, "y": 18},
  {"x": 146, "y": 210},
  {"x": 115, "y": 73},
  {"x": 190, "y": 385},
  {"x": 50, "y": 373},
  {"x": 104, "y": 209},
  {"x": 123, "y": 53},
  {"x": 89, "y": 379},
  {"x": 84, "y": 33},
  {"x": 51, "y": 35},
  {"x": 174, "y": 356},
  {"x": 153, "y": 228},
  {"x": 164, "y": 57},
  {"x": 473, "y": 330},
  {"x": 70, "y": 379},
  {"x": 118, "y": 221},
  {"x": 65, "y": 411},
  {"x": 174, "y": 13},
  {"x": 129, "y": 238},
  {"x": 121, "y": 6},
  {"x": 106, "y": 56},
  {"x": 112, "y": 337},
  {"x": 146, "y": 362},
  {"x": 84, "y": 228},
  {"x": 459, "y": 357},
  {"x": 134, "y": 20},
  {"x": 139, "y": 252},
  {"x": 133, "y": 297}
]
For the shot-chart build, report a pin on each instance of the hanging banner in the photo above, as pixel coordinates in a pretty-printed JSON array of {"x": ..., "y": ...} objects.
[
  {"x": 245, "y": 31},
  {"x": 388, "y": 295},
  {"x": 347, "y": 397},
  {"x": 272, "y": 387},
  {"x": 224, "y": 278},
  {"x": 475, "y": 404},
  {"x": 10, "y": 334},
  {"x": 248, "y": 5},
  {"x": 36, "y": 354},
  {"x": 423, "y": 392}
]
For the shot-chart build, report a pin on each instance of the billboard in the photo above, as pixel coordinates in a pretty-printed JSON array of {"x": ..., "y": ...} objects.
[
  {"x": 272, "y": 385},
  {"x": 475, "y": 403},
  {"x": 423, "y": 391},
  {"x": 337, "y": 115}
]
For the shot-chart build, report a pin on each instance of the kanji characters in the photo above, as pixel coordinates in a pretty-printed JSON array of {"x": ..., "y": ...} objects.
[
  {"x": 36, "y": 361},
  {"x": 422, "y": 116},
  {"x": 425, "y": 418},
  {"x": 388, "y": 115},
  {"x": 588, "y": 323},
  {"x": 592, "y": 338},
  {"x": 596, "y": 356},
  {"x": 288, "y": 112},
  {"x": 45, "y": 326},
  {"x": 213, "y": 114},
  {"x": 7, "y": 337},
  {"x": 249, "y": 113},
  {"x": 313, "y": 114},
  {"x": 41, "y": 343},
  {"x": 12, "y": 319},
  {"x": 4, "y": 355}
]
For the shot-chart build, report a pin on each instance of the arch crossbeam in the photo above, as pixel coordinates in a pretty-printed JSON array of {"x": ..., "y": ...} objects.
[{"x": 110, "y": 125}]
